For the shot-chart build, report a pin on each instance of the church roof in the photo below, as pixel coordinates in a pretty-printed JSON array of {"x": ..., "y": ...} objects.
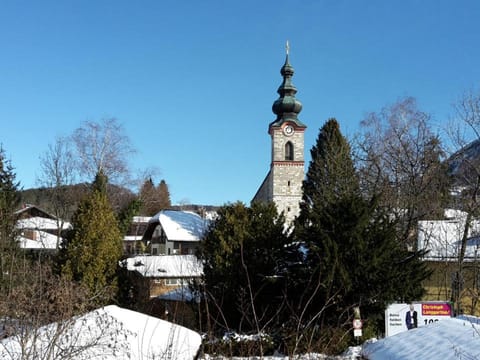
[{"x": 287, "y": 107}]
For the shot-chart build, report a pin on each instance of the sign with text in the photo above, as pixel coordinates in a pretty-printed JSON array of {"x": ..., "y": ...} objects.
[{"x": 401, "y": 317}]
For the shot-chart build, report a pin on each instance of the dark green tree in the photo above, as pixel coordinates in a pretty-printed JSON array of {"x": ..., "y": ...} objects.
[
  {"x": 126, "y": 214},
  {"x": 9, "y": 201},
  {"x": 353, "y": 256},
  {"x": 93, "y": 249},
  {"x": 330, "y": 174},
  {"x": 242, "y": 255}
]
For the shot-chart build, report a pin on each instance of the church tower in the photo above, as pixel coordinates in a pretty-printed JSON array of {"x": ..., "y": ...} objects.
[{"x": 283, "y": 183}]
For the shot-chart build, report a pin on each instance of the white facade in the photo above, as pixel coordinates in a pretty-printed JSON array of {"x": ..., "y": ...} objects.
[{"x": 443, "y": 238}]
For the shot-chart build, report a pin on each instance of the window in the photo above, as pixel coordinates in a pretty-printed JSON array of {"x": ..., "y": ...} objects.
[
  {"x": 289, "y": 151},
  {"x": 172, "y": 282}
]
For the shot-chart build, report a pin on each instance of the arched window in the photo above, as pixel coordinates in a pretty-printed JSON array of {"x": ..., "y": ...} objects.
[{"x": 289, "y": 151}]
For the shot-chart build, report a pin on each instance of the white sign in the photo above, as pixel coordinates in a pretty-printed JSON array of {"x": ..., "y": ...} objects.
[{"x": 401, "y": 317}]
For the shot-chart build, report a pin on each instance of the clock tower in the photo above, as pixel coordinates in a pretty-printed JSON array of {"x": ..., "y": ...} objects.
[{"x": 283, "y": 183}]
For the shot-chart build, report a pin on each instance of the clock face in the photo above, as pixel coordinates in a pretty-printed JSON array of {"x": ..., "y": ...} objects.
[{"x": 288, "y": 130}]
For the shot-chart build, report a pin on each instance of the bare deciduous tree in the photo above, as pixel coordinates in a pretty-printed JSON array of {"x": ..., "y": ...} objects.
[
  {"x": 103, "y": 146},
  {"x": 464, "y": 133},
  {"x": 58, "y": 174},
  {"x": 400, "y": 158}
]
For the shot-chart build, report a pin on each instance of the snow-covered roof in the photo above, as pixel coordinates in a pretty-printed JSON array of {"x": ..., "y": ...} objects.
[
  {"x": 165, "y": 266},
  {"x": 132, "y": 238},
  {"x": 45, "y": 241},
  {"x": 454, "y": 338},
  {"x": 41, "y": 223},
  {"x": 181, "y": 225},
  {"x": 141, "y": 219},
  {"x": 443, "y": 239},
  {"x": 108, "y": 333},
  {"x": 455, "y": 214}
]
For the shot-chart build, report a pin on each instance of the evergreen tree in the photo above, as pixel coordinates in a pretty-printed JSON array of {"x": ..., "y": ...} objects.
[
  {"x": 91, "y": 253},
  {"x": 9, "y": 199},
  {"x": 242, "y": 255},
  {"x": 353, "y": 256},
  {"x": 154, "y": 198},
  {"x": 125, "y": 217},
  {"x": 147, "y": 194},
  {"x": 163, "y": 195},
  {"x": 330, "y": 174}
]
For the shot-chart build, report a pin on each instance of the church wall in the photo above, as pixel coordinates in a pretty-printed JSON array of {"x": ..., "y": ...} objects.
[
  {"x": 279, "y": 141},
  {"x": 287, "y": 188}
]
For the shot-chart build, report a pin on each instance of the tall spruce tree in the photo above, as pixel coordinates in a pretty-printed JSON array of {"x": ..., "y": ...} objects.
[
  {"x": 91, "y": 253},
  {"x": 154, "y": 198},
  {"x": 163, "y": 194},
  {"x": 353, "y": 257}
]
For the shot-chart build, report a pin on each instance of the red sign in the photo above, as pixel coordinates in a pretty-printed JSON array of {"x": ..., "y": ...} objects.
[
  {"x": 357, "y": 324},
  {"x": 436, "y": 309}
]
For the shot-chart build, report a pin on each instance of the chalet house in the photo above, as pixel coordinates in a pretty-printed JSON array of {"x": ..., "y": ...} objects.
[
  {"x": 132, "y": 241},
  {"x": 39, "y": 230},
  {"x": 175, "y": 232},
  {"x": 442, "y": 241},
  {"x": 157, "y": 275}
]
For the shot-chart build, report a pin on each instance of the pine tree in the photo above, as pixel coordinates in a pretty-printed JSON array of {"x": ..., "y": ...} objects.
[
  {"x": 9, "y": 198},
  {"x": 147, "y": 196},
  {"x": 330, "y": 174},
  {"x": 353, "y": 256},
  {"x": 163, "y": 195},
  {"x": 91, "y": 253},
  {"x": 154, "y": 198},
  {"x": 242, "y": 255}
]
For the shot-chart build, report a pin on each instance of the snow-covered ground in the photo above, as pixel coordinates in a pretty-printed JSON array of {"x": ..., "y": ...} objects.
[
  {"x": 352, "y": 353},
  {"x": 108, "y": 333},
  {"x": 115, "y": 333},
  {"x": 450, "y": 339},
  {"x": 454, "y": 338}
]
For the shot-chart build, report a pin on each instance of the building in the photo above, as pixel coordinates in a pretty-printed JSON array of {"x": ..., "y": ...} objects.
[
  {"x": 133, "y": 240},
  {"x": 39, "y": 230},
  {"x": 167, "y": 275},
  {"x": 175, "y": 232},
  {"x": 283, "y": 183},
  {"x": 442, "y": 242}
]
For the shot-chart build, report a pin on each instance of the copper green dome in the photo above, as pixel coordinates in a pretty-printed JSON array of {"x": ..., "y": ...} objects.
[{"x": 287, "y": 107}]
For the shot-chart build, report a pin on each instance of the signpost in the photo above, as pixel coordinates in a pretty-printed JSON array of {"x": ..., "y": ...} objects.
[{"x": 357, "y": 327}]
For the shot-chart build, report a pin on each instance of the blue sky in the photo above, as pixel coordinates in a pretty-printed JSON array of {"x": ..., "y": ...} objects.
[{"x": 193, "y": 82}]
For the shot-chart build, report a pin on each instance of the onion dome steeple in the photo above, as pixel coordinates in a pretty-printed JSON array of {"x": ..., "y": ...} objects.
[{"x": 287, "y": 107}]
